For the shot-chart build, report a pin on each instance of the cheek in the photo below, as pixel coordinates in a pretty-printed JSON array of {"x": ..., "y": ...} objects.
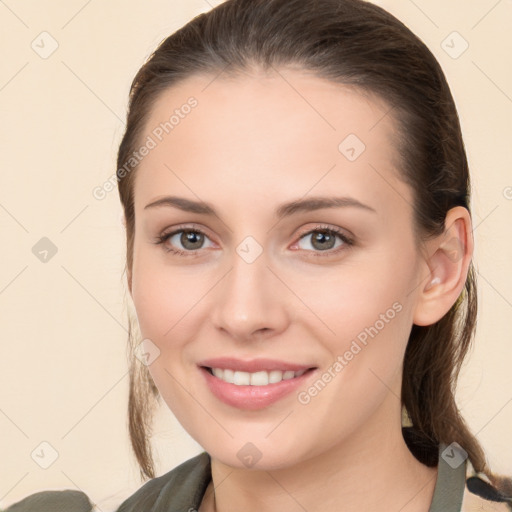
[
  {"x": 352, "y": 298},
  {"x": 161, "y": 306},
  {"x": 171, "y": 304},
  {"x": 162, "y": 314},
  {"x": 162, "y": 294},
  {"x": 378, "y": 311},
  {"x": 369, "y": 316},
  {"x": 152, "y": 304}
]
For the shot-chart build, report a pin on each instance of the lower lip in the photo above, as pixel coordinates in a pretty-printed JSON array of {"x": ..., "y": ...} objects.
[{"x": 252, "y": 397}]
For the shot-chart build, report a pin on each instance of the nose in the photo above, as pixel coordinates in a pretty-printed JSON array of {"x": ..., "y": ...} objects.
[{"x": 250, "y": 301}]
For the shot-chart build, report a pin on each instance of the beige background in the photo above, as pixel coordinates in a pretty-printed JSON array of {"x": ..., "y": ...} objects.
[{"x": 63, "y": 370}]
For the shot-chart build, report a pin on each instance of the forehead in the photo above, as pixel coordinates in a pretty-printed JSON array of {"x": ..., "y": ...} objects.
[{"x": 288, "y": 131}]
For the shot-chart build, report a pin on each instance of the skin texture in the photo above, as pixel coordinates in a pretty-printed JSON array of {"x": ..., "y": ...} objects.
[{"x": 252, "y": 143}]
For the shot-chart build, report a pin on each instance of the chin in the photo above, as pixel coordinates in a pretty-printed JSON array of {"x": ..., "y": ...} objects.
[{"x": 259, "y": 454}]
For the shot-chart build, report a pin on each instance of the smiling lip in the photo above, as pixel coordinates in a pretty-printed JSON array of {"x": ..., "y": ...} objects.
[
  {"x": 256, "y": 365},
  {"x": 250, "y": 397}
]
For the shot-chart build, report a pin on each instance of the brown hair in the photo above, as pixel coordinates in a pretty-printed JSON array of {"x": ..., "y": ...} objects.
[{"x": 358, "y": 44}]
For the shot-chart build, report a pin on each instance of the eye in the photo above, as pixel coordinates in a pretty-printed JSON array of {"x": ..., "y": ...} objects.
[
  {"x": 191, "y": 239},
  {"x": 323, "y": 240}
]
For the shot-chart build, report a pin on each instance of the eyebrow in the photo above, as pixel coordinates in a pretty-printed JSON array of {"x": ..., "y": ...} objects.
[{"x": 284, "y": 210}]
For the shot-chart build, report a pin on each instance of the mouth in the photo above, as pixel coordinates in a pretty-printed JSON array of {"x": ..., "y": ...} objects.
[{"x": 253, "y": 385}]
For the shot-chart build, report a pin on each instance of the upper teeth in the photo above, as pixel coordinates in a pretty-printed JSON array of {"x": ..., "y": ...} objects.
[{"x": 262, "y": 378}]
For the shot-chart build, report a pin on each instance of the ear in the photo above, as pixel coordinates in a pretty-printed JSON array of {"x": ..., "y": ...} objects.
[{"x": 446, "y": 265}]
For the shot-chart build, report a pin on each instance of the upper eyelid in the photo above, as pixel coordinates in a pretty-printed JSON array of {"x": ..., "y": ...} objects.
[{"x": 178, "y": 229}]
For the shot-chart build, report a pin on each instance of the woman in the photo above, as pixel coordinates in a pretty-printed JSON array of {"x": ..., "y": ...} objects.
[
  {"x": 299, "y": 243},
  {"x": 299, "y": 256}
]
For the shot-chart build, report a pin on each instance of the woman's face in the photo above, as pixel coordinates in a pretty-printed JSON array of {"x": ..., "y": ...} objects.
[{"x": 305, "y": 329}]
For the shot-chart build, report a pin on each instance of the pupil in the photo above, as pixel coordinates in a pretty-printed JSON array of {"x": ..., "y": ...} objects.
[
  {"x": 323, "y": 237},
  {"x": 191, "y": 237}
]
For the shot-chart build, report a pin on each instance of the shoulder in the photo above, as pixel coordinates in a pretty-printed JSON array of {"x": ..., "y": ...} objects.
[
  {"x": 480, "y": 495},
  {"x": 51, "y": 501},
  {"x": 182, "y": 488}
]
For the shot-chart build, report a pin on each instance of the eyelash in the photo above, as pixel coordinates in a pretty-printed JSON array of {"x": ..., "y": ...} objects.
[{"x": 347, "y": 242}]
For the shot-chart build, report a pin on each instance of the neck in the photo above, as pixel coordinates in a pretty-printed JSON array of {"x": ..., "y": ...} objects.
[{"x": 371, "y": 470}]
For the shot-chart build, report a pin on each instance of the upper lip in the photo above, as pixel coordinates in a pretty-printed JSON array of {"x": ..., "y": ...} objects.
[{"x": 253, "y": 365}]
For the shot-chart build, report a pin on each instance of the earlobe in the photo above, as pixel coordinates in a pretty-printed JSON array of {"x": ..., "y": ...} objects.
[{"x": 448, "y": 260}]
